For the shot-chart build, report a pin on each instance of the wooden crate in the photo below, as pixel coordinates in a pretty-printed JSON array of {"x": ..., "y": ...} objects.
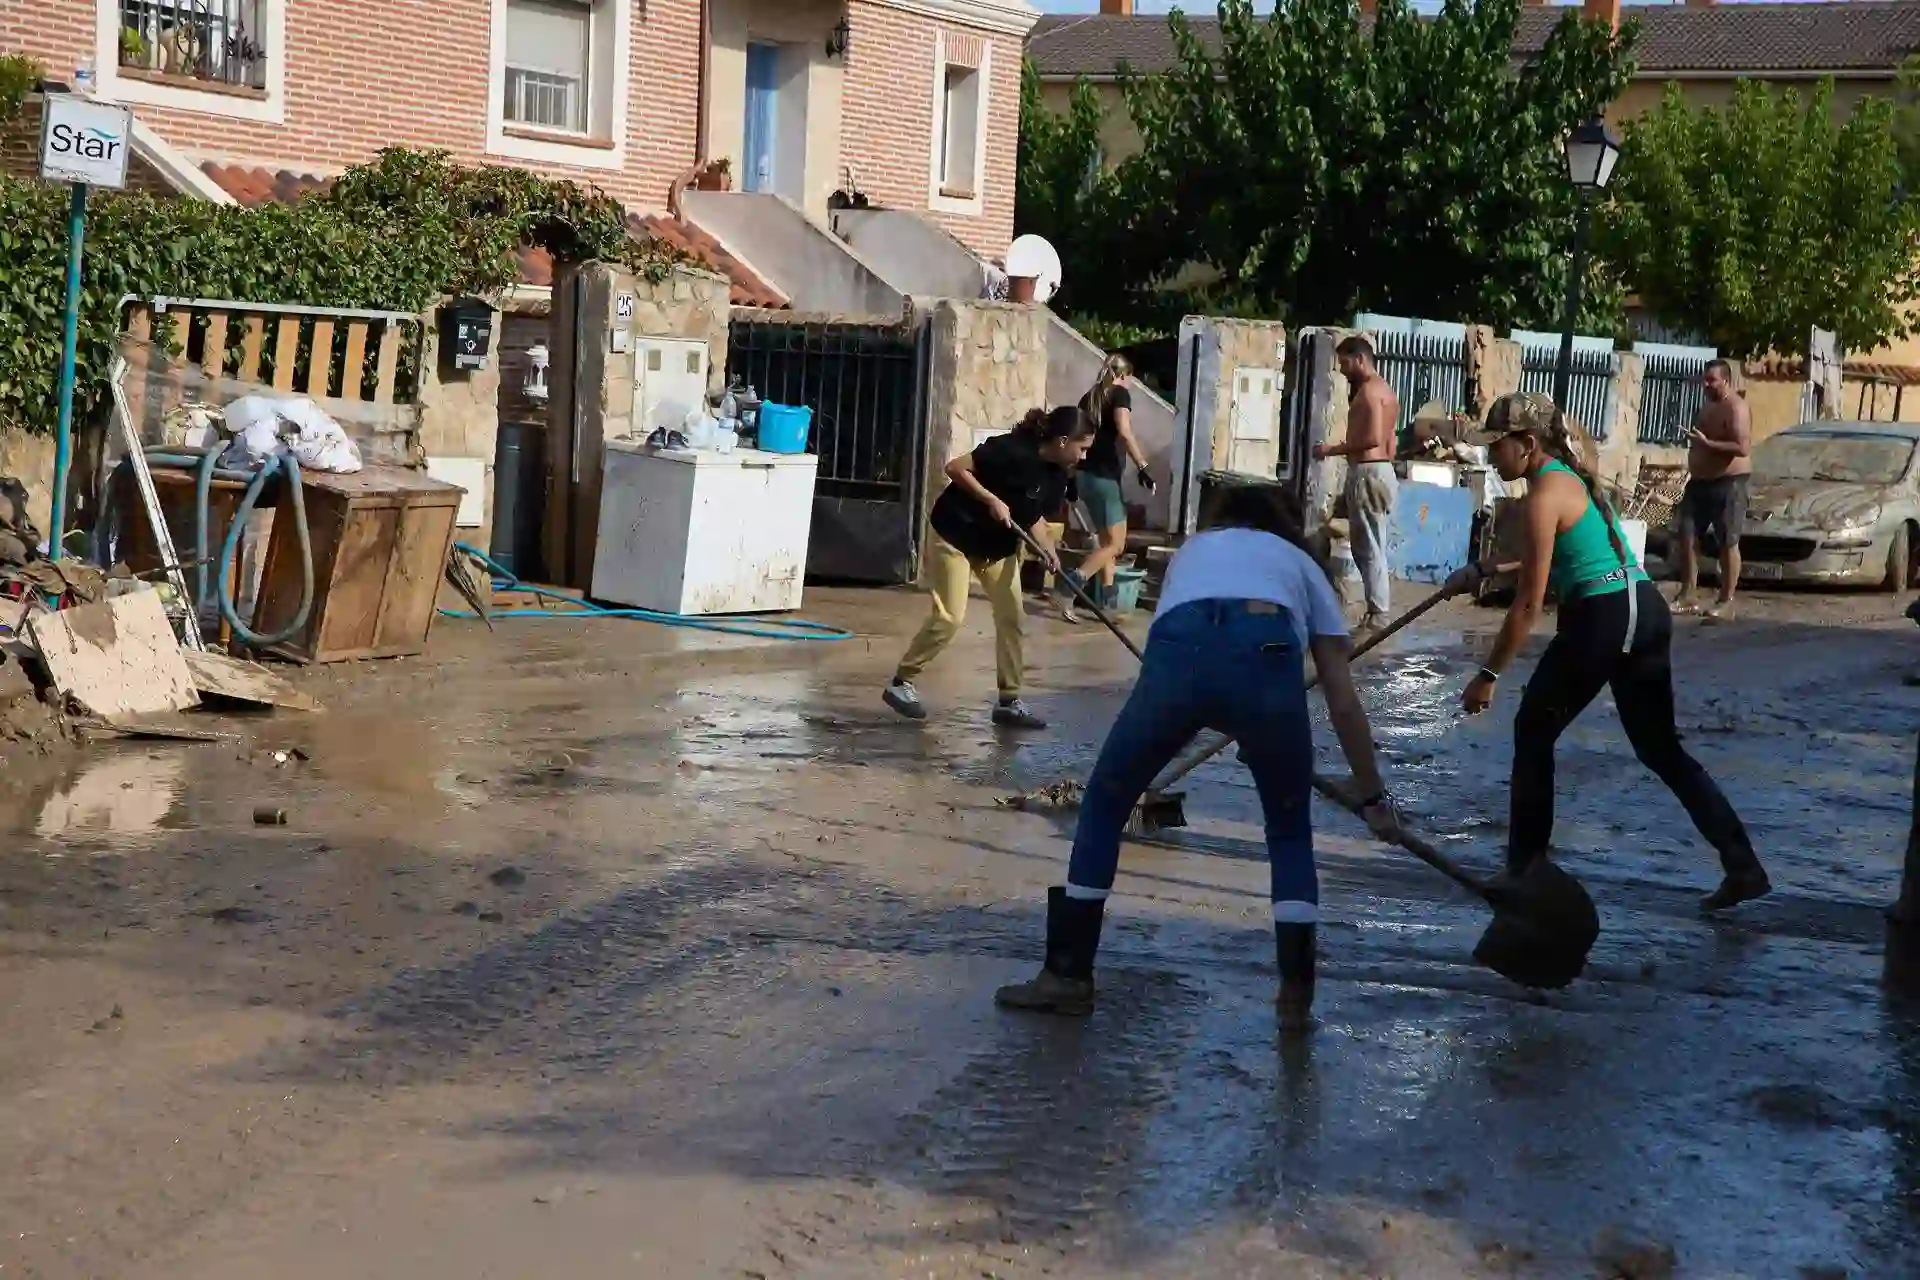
[{"x": 380, "y": 543}]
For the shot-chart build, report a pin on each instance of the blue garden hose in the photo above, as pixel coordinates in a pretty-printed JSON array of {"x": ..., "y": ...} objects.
[
  {"x": 506, "y": 584},
  {"x": 205, "y": 465}
]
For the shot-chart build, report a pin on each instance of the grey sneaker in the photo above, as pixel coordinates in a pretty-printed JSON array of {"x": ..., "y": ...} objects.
[
  {"x": 1014, "y": 713},
  {"x": 905, "y": 699}
]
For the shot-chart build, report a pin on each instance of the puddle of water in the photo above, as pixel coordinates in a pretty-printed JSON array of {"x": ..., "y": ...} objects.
[{"x": 123, "y": 794}]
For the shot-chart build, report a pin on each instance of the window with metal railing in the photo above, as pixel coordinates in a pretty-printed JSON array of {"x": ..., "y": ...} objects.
[
  {"x": 218, "y": 43},
  {"x": 549, "y": 64}
]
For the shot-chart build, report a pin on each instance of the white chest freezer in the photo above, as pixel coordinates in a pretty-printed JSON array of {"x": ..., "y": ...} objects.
[{"x": 698, "y": 532}]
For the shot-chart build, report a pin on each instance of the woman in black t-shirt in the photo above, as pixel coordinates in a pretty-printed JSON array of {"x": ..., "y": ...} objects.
[
  {"x": 1110, "y": 406},
  {"x": 1013, "y": 481}
]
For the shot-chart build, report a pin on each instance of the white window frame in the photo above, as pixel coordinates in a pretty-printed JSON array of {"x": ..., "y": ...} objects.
[
  {"x": 596, "y": 149},
  {"x": 974, "y": 205},
  {"x": 269, "y": 107}
]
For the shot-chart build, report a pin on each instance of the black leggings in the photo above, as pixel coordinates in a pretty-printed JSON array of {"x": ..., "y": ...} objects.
[{"x": 1623, "y": 640}]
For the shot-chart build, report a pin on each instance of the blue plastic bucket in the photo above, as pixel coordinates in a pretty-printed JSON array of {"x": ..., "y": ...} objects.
[{"x": 784, "y": 427}]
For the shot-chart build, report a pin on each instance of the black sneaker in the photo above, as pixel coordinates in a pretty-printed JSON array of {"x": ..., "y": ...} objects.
[
  {"x": 1736, "y": 888},
  {"x": 657, "y": 439},
  {"x": 1013, "y": 713},
  {"x": 905, "y": 699}
]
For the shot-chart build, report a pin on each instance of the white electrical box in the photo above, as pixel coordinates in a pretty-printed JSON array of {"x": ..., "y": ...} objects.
[
  {"x": 1254, "y": 421},
  {"x": 669, "y": 381},
  {"x": 696, "y": 532},
  {"x": 1256, "y": 404}
]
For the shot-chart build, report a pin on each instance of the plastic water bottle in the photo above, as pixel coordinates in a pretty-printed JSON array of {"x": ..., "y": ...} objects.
[
  {"x": 729, "y": 406},
  {"x": 83, "y": 76}
]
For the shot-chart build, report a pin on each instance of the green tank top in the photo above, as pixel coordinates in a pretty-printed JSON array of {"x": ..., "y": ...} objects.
[{"x": 1584, "y": 561}]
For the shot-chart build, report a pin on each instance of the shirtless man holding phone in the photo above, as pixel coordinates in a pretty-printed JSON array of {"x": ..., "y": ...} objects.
[{"x": 1719, "y": 462}]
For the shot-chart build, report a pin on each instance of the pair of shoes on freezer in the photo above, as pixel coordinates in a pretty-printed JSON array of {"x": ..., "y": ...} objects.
[
  {"x": 661, "y": 438},
  {"x": 1008, "y": 713}
]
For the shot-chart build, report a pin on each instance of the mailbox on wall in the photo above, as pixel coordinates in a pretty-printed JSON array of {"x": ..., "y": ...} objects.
[{"x": 466, "y": 334}]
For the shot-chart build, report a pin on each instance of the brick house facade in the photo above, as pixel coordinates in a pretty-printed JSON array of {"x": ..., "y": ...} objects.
[{"x": 606, "y": 92}]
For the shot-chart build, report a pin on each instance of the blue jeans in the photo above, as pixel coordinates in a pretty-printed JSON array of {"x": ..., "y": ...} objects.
[{"x": 1234, "y": 666}]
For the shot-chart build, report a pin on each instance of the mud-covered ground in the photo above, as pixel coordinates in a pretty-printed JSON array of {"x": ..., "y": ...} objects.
[{"x": 601, "y": 950}]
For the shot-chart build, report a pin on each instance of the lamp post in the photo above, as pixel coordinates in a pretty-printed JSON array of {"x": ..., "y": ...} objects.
[{"x": 1591, "y": 153}]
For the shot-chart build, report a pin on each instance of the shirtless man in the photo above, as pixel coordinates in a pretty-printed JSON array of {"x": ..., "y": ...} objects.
[
  {"x": 1719, "y": 460},
  {"x": 1373, "y": 412}
]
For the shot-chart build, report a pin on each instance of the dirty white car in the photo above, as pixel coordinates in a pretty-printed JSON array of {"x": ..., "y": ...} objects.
[{"x": 1834, "y": 503}]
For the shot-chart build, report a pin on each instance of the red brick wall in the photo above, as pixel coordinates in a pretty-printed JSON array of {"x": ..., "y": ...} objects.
[
  {"x": 362, "y": 75},
  {"x": 887, "y": 119},
  {"x": 20, "y": 154}
]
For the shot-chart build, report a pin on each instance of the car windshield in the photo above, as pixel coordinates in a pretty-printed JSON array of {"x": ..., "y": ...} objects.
[{"x": 1844, "y": 457}]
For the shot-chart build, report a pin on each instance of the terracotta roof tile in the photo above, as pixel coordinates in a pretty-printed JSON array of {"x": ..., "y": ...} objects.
[
  {"x": 1826, "y": 35},
  {"x": 749, "y": 290},
  {"x": 256, "y": 186},
  {"x": 1791, "y": 369}
]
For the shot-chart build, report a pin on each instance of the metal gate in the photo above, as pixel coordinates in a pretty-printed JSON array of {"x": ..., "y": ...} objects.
[
  {"x": 1589, "y": 388},
  {"x": 1423, "y": 366},
  {"x": 1670, "y": 394},
  {"x": 866, "y": 385}
]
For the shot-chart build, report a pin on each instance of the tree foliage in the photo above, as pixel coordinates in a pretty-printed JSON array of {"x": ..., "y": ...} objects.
[
  {"x": 1318, "y": 165},
  {"x": 1755, "y": 223},
  {"x": 396, "y": 234}
]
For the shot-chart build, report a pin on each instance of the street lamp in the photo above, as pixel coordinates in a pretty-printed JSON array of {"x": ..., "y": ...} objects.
[{"x": 1591, "y": 154}]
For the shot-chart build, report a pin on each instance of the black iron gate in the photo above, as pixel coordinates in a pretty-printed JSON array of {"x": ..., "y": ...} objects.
[
  {"x": 1671, "y": 395},
  {"x": 866, "y": 385},
  {"x": 1589, "y": 384},
  {"x": 1422, "y": 367}
]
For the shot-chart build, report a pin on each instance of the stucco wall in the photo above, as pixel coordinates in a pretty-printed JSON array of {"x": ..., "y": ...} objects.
[{"x": 800, "y": 28}]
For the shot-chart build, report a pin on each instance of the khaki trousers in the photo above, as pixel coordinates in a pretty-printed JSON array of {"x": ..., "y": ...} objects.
[{"x": 951, "y": 576}]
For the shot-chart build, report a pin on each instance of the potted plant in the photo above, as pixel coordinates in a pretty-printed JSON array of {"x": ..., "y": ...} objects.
[{"x": 133, "y": 48}]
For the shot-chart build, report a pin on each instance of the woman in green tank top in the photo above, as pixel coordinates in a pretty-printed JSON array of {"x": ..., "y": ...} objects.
[{"x": 1614, "y": 630}]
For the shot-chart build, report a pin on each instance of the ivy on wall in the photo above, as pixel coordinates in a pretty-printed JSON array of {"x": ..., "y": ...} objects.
[{"x": 395, "y": 234}]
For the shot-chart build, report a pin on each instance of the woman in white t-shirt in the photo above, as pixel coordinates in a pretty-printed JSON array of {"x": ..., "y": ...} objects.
[{"x": 1243, "y": 604}]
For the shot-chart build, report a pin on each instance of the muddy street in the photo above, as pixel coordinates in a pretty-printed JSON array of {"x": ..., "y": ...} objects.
[{"x": 596, "y": 949}]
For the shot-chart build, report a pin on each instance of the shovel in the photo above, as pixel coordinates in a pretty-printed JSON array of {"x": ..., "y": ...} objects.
[
  {"x": 1544, "y": 922},
  {"x": 1160, "y": 810},
  {"x": 1080, "y": 593}
]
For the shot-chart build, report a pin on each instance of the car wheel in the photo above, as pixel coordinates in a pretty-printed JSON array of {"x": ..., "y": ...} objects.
[{"x": 1900, "y": 566}]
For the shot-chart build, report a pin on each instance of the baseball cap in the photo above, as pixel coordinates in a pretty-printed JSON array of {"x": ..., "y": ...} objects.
[{"x": 1520, "y": 411}]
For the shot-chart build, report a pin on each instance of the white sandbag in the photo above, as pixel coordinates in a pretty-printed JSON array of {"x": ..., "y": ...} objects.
[{"x": 262, "y": 425}]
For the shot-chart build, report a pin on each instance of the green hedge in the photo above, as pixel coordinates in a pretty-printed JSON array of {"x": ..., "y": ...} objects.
[{"x": 395, "y": 234}]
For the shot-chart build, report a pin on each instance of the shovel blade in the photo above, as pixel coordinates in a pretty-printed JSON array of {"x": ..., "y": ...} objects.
[
  {"x": 1158, "y": 812},
  {"x": 1544, "y": 927}
]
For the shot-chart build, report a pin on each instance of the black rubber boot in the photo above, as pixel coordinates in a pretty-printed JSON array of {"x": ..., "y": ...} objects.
[
  {"x": 1295, "y": 947},
  {"x": 1065, "y": 983},
  {"x": 1745, "y": 878}
]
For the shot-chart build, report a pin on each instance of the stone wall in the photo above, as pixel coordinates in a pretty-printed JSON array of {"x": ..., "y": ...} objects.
[
  {"x": 1230, "y": 352},
  {"x": 460, "y": 412},
  {"x": 692, "y": 304},
  {"x": 989, "y": 367},
  {"x": 1493, "y": 369}
]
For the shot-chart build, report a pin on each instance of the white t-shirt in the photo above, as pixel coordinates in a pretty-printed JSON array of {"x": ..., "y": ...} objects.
[{"x": 1247, "y": 564}]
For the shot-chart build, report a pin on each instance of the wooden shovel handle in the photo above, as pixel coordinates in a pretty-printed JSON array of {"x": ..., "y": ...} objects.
[
  {"x": 1365, "y": 647},
  {"x": 1412, "y": 843}
]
